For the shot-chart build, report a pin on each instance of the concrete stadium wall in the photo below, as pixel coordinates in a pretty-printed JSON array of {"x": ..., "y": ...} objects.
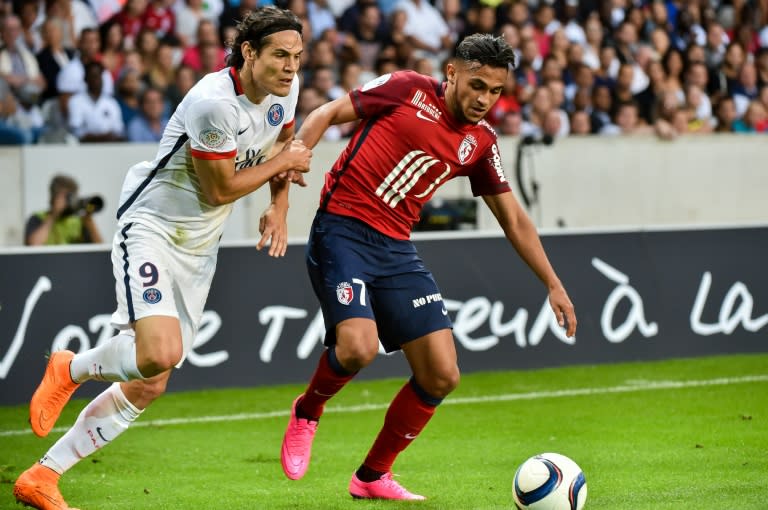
[{"x": 589, "y": 182}]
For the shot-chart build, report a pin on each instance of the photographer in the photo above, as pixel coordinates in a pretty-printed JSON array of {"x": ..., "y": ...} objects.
[{"x": 68, "y": 221}]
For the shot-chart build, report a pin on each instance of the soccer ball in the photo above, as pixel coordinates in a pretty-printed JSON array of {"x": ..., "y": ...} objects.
[{"x": 549, "y": 481}]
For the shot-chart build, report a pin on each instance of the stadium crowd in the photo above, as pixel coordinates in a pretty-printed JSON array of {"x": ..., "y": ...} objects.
[{"x": 108, "y": 70}]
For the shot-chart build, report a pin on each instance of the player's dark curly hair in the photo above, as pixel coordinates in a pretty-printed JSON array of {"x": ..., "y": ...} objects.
[
  {"x": 256, "y": 26},
  {"x": 487, "y": 49}
]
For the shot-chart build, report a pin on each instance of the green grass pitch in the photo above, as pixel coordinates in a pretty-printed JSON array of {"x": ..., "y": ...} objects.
[{"x": 672, "y": 435}]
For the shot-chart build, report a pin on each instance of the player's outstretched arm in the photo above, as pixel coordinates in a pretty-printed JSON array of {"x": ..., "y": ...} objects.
[
  {"x": 273, "y": 223},
  {"x": 221, "y": 184},
  {"x": 521, "y": 232},
  {"x": 314, "y": 126}
]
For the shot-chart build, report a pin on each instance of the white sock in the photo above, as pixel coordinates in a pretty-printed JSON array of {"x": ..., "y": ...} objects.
[
  {"x": 103, "y": 419},
  {"x": 114, "y": 360}
]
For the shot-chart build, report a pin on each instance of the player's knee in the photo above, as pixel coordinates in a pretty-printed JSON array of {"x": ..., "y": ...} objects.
[
  {"x": 163, "y": 356},
  {"x": 443, "y": 382},
  {"x": 356, "y": 354}
]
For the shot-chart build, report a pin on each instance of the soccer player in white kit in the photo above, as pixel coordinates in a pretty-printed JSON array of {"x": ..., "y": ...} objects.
[{"x": 231, "y": 134}]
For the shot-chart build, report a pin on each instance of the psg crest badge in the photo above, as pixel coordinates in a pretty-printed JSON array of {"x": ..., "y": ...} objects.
[
  {"x": 152, "y": 296},
  {"x": 275, "y": 114},
  {"x": 344, "y": 293}
]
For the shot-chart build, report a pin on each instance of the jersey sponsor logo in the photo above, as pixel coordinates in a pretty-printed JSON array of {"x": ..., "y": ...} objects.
[
  {"x": 381, "y": 80},
  {"x": 418, "y": 100},
  {"x": 406, "y": 174},
  {"x": 425, "y": 300},
  {"x": 467, "y": 149},
  {"x": 251, "y": 157},
  {"x": 152, "y": 296},
  {"x": 344, "y": 293},
  {"x": 212, "y": 137},
  {"x": 275, "y": 114},
  {"x": 496, "y": 162}
]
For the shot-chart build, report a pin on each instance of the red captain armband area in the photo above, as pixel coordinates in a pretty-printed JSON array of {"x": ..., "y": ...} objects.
[
  {"x": 289, "y": 124},
  {"x": 212, "y": 155}
]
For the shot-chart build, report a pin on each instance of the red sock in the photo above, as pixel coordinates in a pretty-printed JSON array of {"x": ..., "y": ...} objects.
[
  {"x": 407, "y": 415},
  {"x": 325, "y": 383}
]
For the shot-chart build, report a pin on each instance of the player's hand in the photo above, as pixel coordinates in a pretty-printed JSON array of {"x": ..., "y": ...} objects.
[
  {"x": 563, "y": 308},
  {"x": 273, "y": 227},
  {"x": 298, "y": 155},
  {"x": 291, "y": 176}
]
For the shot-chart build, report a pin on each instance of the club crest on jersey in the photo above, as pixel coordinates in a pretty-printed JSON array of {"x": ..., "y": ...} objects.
[
  {"x": 344, "y": 293},
  {"x": 467, "y": 148},
  {"x": 152, "y": 296},
  {"x": 275, "y": 114},
  {"x": 212, "y": 137}
]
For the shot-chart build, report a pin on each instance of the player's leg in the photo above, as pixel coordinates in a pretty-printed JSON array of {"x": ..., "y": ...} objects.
[
  {"x": 433, "y": 361},
  {"x": 336, "y": 270},
  {"x": 144, "y": 284},
  {"x": 411, "y": 316},
  {"x": 99, "y": 424}
]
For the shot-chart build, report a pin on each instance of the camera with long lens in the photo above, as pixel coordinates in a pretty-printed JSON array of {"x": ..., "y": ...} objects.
[{"x": 78, "y": 205}]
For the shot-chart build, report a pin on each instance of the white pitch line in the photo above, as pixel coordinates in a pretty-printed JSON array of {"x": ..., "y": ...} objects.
[{"x": 533, "y": 395}]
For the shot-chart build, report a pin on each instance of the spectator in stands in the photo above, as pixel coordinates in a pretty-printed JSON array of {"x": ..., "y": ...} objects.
[
  {"x": 602, "y": 105},
  {"x": 146, "y": 45},
  {"x": 162, "y": 72},
  {"x": 206, "y": 35},
  {"x": 160, "y": 18},
  {"x": 64, "y": 222},
  {"x": 94, "y": 116},
  {"x": 511, "y": 124},
  {"x": 52, "y": 57},
  {"x": 426, "y": 30},
  {"x": 673, "y": 68},
  {"x": 129, "y": 89},
  {"x": 371, "y": 34},
  {"x": 189, "y": 14},
  {"x": 149, "y": 123},
  {"x": 18, "y": 65},
  {"x": 745, "y": 89},
  {"x": 10, "y": 133},
  {"x": 580, "y": 124},
  {"x": 755, "y": 119},
  {"x": 112, "y": 54},
  {"x": 131, "y": 19},
  {"x": 593, "y": 31},
  {"x": 71, "y": 78},
  {"x": 725, "y": 114},
  {"x": 536, "y": 112},
  {"x": 27, "y": 11},
  {"x": 184, "y": 78}
]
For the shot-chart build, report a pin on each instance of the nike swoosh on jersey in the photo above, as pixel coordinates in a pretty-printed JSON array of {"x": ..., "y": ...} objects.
[
  {"x": 421, "y": 115},
  {"x": 243, "y": 131}
]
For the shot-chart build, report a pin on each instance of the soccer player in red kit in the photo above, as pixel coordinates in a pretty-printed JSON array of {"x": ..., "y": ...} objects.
[{"x": 415, "y": 135}]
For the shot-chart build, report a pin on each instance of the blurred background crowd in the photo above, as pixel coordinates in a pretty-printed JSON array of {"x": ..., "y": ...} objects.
[{"x": 76, "y": 71}]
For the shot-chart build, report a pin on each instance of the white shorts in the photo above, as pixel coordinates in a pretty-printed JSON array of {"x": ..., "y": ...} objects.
[{"x": 154, "y": 278}]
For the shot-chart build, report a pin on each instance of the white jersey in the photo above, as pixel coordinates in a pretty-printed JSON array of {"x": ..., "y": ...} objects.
[{"x": 215, "y": 120}]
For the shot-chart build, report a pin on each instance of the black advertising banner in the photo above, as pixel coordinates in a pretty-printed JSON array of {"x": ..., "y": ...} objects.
[{"x": 638, "y": 296}]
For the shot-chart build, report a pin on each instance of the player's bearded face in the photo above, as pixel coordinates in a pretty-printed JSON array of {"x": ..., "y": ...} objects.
[
  {"x": 475, "y": 89},
  {"x": 273, "y": 69}
]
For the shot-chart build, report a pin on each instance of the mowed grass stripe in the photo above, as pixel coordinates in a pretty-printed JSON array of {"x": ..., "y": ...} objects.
[{"x": 638, "y": 386}]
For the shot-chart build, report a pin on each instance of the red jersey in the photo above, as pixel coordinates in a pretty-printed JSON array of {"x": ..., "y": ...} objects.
[{"x": 407, "y": 145}]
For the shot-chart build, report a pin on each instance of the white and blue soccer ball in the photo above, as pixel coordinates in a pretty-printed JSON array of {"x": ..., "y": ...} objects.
[{"x": 549, "y": 481}]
